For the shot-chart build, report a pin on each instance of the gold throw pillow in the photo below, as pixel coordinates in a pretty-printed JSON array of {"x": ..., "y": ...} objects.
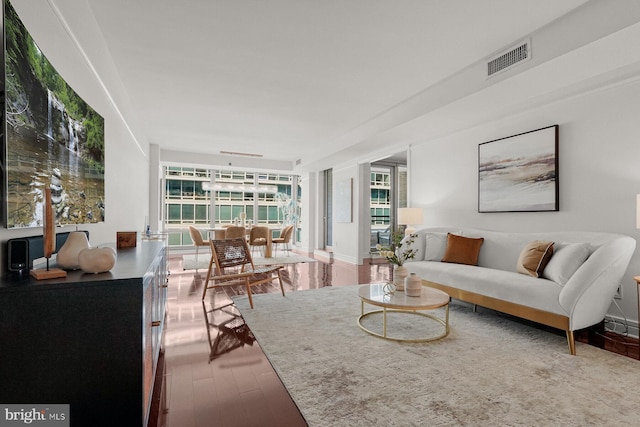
[{"x": 534, "y": 258}]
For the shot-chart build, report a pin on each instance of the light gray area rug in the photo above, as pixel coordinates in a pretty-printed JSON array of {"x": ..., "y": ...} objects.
[
  {"x": 189, "y": 261},
  {"x": 489, "y": 371}
]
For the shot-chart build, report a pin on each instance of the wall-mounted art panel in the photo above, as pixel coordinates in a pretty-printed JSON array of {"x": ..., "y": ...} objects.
[
  {"x": 53, "y": 138},
  {"x": 519, "y": 173}
]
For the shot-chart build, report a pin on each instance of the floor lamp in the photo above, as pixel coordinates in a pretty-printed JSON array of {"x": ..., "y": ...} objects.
[{"x": 409, "y": 217}]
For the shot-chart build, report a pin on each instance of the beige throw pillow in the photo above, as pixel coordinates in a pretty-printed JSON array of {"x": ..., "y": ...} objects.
[
  {"x": 462, "y": 250},
  {"x": 566, "y": 260},
  {"x": 534, "y": 258},
  {"x": 436, "y": 244}
]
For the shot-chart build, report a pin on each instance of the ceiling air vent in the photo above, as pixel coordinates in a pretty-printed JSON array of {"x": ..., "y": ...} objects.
[{"x": 509, "y": 58}]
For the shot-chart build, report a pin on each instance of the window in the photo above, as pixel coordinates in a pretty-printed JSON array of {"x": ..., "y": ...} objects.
[
  {"x": 188, "y": 189},
  {"x": 173, "y": 214},
  {"x": 186, "y": 202},
  {"x": 188, "y": 212},
  {"x": 174, "y": 189},
  {"x": 201, "y": 214}
]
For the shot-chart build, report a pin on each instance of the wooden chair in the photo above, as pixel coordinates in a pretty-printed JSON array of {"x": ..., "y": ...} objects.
[
  {"x": 258, "y": 237},
  {"x": 234, "y": 231},
  {"x": 284, "y": 238},
  {"x": 234, "y": 266},
  {"x": 197, "y": 241}
]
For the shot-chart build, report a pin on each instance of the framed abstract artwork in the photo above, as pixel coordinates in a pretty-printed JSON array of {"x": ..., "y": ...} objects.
[{"x": 519, "y": 173}]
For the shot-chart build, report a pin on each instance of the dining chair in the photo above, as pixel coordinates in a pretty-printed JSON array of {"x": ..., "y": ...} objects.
[
  {"x": 283, "y": 239},
  {"x": 258, "y": 238},
  {"x": 198, "y": 241},
  {"x": 231, "y": 265},
  {"x": 235, "y": 231}
]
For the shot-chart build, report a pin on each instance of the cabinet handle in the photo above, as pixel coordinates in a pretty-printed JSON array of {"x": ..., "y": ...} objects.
[
  {"x": 156, "y": 323},
  {"x": 165, "y": 286}
]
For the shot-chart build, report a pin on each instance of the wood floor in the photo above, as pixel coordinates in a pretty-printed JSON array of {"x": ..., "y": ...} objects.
[{"x": 215, "y": 374}]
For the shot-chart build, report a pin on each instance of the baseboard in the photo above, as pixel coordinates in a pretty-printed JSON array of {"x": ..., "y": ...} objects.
[
  {"x": 347, "y": 259},
  {"x": 632, "y": 329},
  {"x": 323, "y": 255}
]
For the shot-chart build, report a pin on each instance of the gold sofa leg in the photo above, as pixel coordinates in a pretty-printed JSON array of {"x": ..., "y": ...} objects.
[{"x": 572, "y": 343}]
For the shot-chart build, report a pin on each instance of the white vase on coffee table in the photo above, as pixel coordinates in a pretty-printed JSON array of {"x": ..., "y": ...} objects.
[
  {"x": 400, "y": 272},
  {"x": 413, "y": 285}
]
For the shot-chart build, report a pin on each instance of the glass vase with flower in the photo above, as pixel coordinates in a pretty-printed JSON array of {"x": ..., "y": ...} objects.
[{"x": 397, "y": 253}]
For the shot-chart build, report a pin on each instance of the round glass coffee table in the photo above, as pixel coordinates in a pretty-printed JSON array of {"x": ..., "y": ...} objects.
[{"x": 398, "y": 302}]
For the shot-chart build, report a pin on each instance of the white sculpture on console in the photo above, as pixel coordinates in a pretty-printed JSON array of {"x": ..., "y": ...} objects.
[
  {"x": 97, "y": 260},
  {"x": 67, "y": 256}
]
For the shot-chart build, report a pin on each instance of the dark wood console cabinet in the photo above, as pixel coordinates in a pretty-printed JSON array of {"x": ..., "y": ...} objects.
[{"x": 89, "y": 340}]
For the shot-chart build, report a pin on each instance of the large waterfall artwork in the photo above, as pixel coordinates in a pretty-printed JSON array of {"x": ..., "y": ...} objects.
[{"x": 54, "y": 139}]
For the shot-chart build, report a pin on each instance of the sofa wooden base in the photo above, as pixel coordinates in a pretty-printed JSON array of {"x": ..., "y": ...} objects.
[{"x": 524, "y": 312}]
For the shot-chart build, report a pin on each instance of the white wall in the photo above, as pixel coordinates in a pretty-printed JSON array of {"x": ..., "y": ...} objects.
[
  {"x": 345, "y": 242},
  {"x": 309, "y": 215},
  {"x": 599, "y": 173},
  {"x": 126, "y": 158}
]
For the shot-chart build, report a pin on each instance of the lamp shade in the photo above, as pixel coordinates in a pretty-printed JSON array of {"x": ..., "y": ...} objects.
[
  {"x": 409, "y": 216},
  {"x": 638, "y": 211}
]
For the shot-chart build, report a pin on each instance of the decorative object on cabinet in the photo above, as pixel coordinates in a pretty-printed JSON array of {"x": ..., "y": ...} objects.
[
  {"x": 67, "y": 256},
  {"x": 126, "y": 239},
  {"x": 519, "y": 173},
  {"x": 97, "y": 260},
  {"x": 49, "y": 227}
]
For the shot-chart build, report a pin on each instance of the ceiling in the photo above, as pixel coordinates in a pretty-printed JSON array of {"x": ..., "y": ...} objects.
[{"x": 293, "y": 79}]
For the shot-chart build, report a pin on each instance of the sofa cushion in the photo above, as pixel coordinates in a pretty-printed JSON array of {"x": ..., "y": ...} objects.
[
  {"x": 508, "y": 286},
  {"x": 500, "y": 250},
  {"x": 566, "y": 260},
  {"x": 462, "y": 250},
  {"x": 436, "y": 244},
  {"x": 534, "y": 258}
]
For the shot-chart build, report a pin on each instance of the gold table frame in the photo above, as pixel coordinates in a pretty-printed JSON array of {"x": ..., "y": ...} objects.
[{"x": 399, "y": 302}]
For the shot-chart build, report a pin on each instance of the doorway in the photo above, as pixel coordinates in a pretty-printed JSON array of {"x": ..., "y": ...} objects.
[
  {"x": 328, "y": 209},
  {"x": 388, "y": 189}
]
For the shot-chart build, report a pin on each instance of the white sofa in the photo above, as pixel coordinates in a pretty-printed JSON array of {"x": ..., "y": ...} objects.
[{"x": 576, "y": 288}]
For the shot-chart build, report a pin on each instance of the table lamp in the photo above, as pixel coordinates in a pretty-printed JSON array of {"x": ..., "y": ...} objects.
[{"x": 409, "y": 217}]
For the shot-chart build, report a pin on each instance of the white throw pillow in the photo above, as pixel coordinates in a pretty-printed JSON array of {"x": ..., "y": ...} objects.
[
  {"x": 418, "y": 245},
  {"x": 436, "y": 244},
  {"x": 566, "y": 259}
]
